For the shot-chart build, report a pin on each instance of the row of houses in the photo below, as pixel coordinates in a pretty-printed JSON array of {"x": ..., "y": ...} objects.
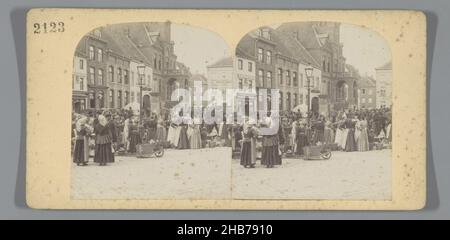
[
  {"x": 114, "y": 64},
  {"x": 270, "y": 57}
]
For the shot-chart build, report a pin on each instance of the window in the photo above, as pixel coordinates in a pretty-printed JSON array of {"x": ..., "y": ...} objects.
[
  {"x": 100, "y": 55},
  {"x": 250, "y": 67},
  {"x": 159, "y": 64},
  {"x": 280, "y": 76},
  {"x": 125, "y": 76},
  {"x": 132, "y": 96},
  {"x": 250, "y": 84},
  {"x": 260, "y": 54},
  {"x": 295, "y": 79},
  {"x": 268, "y": 57},
  {"x": 301, "y": 80},
  {"x": 266, "y": 34},
  {"x": 81, "y": 81},
  {"x": 127, "y": 97},
  {"x": 281, "y": 100},
  {"x": 301, "y": 98},
  {"x": 260, "y": 32},
  {"x": 295, "y": 99},
  {"x": 111, "y": 98},
  {"x": 111, "y": 73},
  {"x": 324, "y": 64},
  {"x": 363, "y": 91},
  {"x": 240, "y": 64},
  {"x": 119, "y": 99},
  {"x": 260, "y": 77},
  {"x": 119, "y": 75},
  {"x": 92, "y": 99},
  {"x": 132, "y": 78},
  {"x": 370, "y": 100},
  {"x": 317, "y": 82},
  {"x": 100, "y": 77},
  {"x": 154, "y": 62},
  {"x": 81, "y": 64},
  {"x": 288, "y": 101},
  {"x": 240, "y": 83},
  {"x": 91, "y": 75},
  {"x": 91, "y": 53},
  {"x": 288, "y": 77},
  {"x": 101, "y": 101},
  {"x": 269, "y": 79}
]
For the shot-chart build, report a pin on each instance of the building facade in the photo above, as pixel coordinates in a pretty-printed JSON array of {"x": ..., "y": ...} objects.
[
  {"x": 367, "y": 93},
  {"x": 383, "y": 76},
  {"x": 93, "y": 45},
  {"x": 322, "y": 41},
  {"x": 79, "y": 83}
]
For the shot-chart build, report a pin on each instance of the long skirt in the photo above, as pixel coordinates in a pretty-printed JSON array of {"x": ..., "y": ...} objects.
[
  {"x": 363, "y": 141},
  {"x": 246, "y": 154},
  {"x": 195, "y": 140},
  {"x": 350, "y": 145},
  {"x": 270, "y": 156},
  {"x": 161, "y": 134},
  {"x": 328, "y": 136},
  {"x": 151, "y": 134},
  {"x": 80, "y": 152},
  {"x": 344, "y": 136},
  {"x": 302, "y": 141},
  {"x": 135, "y": 139},
  {"x": 338, "y": 137},
  {"x": 183, "y": 142},
  {"x": 103, "y": 153}
]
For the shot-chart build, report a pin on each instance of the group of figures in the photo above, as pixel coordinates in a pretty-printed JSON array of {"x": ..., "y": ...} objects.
[
  {"x": 102, "y": 134},
  {"x": 105, "y": 133},
  {"x": 102, "y": 131},
  {"x": 349, "y": 130}
]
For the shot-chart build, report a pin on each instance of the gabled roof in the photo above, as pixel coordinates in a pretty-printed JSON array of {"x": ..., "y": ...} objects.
[
  {"x": 295, "y": 49},
  {"x": 386, "y": 66},
  {"x": 305, "y": 32},
  {"x": 114, "y": 44},
  {"x": 224, "y": 62},
  {"x": 246, "y": 46},
  {"x": 366, "y": 82}
]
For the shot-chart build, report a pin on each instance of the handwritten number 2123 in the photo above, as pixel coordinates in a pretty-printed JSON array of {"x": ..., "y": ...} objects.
[{"x": 51, "y": 27}]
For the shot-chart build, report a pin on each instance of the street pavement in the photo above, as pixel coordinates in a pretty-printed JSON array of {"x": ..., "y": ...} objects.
[{"x": 211, "y": 174}]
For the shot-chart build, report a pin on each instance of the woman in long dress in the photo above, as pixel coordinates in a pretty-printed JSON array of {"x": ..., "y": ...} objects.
[
  {"x": 328, "y": 133},
  {"x": 270, "y": 150},
  {"x": 338, "y": 135},
  {"x": 363, "y": 139},
  {"x": 161, "y": 134},
  {"x": 183, "y": 141},
  {"x": 103, "y": 139},
  {"x": 126, "y": 132},
  {"x": 248, "y": 151},
  {"x": 134, "y": 138},
  {"x": 194, "y": 136},
  {"x": 81, "y": 149},
  {"x": 301, "y": 138},
  {"x": 350, "y": 145}
]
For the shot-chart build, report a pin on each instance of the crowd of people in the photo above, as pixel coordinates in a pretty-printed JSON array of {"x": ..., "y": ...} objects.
[{"x": 103, "y": 134}]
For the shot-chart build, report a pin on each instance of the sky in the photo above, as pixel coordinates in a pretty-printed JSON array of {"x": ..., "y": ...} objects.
[
  {"x": 364, "y": 48},
  {"x": 197, "y": 47}
]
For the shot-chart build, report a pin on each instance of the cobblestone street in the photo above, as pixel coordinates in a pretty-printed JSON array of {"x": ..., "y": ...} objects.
[{"x": 210, "y": 174}]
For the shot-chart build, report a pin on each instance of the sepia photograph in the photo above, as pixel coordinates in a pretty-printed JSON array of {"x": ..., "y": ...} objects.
[{"x": 298, "y": 110}]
